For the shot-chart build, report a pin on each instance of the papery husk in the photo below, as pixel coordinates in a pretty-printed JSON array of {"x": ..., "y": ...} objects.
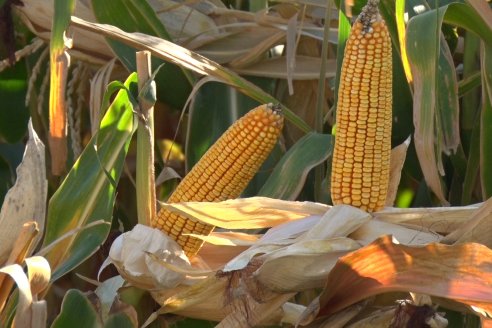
[
  {"x": 130, "y": 254},
  {"x": 304, "y": 250},
  {"x": 460, "y": 273}
]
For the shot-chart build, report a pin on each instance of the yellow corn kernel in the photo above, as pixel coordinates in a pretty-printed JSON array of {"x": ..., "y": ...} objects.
[
  {"x": 223, "y": 172},
  {"x": 363, "y": 125}
]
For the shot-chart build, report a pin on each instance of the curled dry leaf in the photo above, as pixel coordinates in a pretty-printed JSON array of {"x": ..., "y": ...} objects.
[
  {"x": 30, "y": 312},
  {"x": 26, "y": 200},
  {"x": 462, "y": 273}
]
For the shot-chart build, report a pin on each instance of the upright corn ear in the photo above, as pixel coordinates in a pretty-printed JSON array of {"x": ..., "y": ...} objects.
[
  {"x": 361, "y": 159},
  {"x": 223, "y": 172}
]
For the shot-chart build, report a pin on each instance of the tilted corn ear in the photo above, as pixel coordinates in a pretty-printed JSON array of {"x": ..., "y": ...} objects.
[
  {"x": 361, "y": 159},
  {"x": 223, "y": 172}
]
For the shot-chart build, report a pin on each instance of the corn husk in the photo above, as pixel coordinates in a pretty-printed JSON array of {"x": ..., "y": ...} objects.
[{"x": 338, "y": 250}]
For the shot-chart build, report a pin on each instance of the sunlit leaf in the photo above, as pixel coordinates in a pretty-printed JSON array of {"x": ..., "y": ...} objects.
[
  {"x": 462, "y": 273},
  {"x": 88, "y": 192}
]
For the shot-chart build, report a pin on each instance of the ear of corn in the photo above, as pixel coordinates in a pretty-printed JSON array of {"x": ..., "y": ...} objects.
[
  {"x": 223, "y": 172},
  {"x": 361, "y": 158}
]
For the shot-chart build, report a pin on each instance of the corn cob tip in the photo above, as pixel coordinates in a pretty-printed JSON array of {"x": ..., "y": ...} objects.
[
  {"x": 369, "y": 15},
  {"x": 276, "y": 108}
]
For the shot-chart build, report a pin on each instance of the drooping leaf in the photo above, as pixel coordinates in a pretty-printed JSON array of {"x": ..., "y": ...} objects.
[
  {"x": 189, "y": 60},
  {"x": 173, "y": 83}
]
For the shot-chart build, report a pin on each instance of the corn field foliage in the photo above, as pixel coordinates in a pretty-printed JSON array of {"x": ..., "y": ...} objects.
[{"x": 106, "y": 105}]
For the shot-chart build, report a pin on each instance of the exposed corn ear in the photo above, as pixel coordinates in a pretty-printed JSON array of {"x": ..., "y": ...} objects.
[
  {"x": 223, "y": 172},
  {"x": 361, "y": 159}
]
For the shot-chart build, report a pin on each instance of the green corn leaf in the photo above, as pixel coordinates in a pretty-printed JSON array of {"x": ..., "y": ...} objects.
[
  {"x": 290, "y": 174},
  {"x": 88, "y": 192}
]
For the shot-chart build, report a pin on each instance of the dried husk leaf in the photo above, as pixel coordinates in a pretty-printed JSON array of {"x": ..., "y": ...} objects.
[
  {"x": 337, "y": 222},
  {"x": 129, "y": 253},
  {"x": 204, "y": 300},
  {"x": 23, "y": 316},
  {"x": 378, "y": 318},
  {"x": 181, "y": 20},
  {"x": 442, "y": 220},
  {"x": 313, "y": 260},
  {"x": 477, "y": 229},
  {"x": 26, "y": 200},
  {"x": 29, "y": 311},
  {"x": 397, "y": 159},
  {"x": 39, "y": 274},
  {"x": 341, "y": 318},
  {"x": 228, "y": 238},
  {"x": 406, "y": 235},
  {"x": 268, "y": 313},
  {"x": 246, "y": 213},
  {"x": 461, "y": 272},
  {"x": 22, "y": 247}
]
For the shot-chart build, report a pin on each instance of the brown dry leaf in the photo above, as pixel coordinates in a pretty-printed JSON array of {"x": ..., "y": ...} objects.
[
  {"x": 26, "y": 200},
  {"x": 462, "y": 273},
  {"x": 398, "y": 155},
  {"x": 477, "y": 229},
  {"x": 247, "y": 213}
]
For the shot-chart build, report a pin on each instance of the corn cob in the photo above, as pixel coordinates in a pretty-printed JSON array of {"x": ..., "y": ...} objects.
[
  {"x": 361, "y": 159},
  {"x": 223, "y": 172}
]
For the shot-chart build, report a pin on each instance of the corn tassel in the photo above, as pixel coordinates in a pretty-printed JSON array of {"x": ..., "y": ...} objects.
[
  {"x": 361, "y": 159},
  {"x": 222, "y": 173}
]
